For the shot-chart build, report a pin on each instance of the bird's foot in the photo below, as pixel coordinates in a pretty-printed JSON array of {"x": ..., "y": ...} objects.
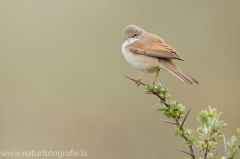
[
  {"x": 138, "y": 82},
  {"x": 153, "y": 84}
]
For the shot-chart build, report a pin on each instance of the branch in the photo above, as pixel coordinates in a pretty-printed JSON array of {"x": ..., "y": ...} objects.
[
  {"x": 239, "y": 146},
  {"x": 162, "y": 99},
  {"x": 183, "y": 151},
  {"x": 177, "y": 120},
  {"x": 184, "y": 119},
  {"x": 134, "y": 80},
  {"x": 217, "y": 151},
  {"x": 225, "y": 145},
  {"x": 186, "y": 138},
  {"x": 205, "y": 155},
  {"x": 168, "y": 121}
]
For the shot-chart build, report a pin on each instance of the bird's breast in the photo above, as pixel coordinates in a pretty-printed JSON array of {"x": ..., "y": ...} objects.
[{"x": 140, "y": 62}]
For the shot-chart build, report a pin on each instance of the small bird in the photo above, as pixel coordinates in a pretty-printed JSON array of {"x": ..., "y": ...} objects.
[{"x": 149, "y": 54}]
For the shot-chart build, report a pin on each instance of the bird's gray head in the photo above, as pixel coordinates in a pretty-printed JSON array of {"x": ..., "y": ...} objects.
[{"x": 133, "y": 31}]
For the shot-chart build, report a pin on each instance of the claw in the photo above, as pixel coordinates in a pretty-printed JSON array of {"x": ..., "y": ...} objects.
[{"x": 138, "y": 82}]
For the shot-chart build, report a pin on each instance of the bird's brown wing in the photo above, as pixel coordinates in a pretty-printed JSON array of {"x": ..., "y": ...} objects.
[{"x": 154, "y": 49}]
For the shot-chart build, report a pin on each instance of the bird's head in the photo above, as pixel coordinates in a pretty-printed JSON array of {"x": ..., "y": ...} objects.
[{"x": 133, "y": 32}]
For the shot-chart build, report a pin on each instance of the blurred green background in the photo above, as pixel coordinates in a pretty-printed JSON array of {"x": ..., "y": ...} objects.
[{"x": 61, "y": 85}]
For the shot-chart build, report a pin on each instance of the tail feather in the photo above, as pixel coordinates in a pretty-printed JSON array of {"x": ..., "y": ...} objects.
[
  {"x": 169, "y": 66},
  {"x": 194, "y": 79},
  {"x": 185, "y": 77}
]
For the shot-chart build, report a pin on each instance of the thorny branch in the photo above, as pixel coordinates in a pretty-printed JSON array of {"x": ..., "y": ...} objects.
[
  {"x": 167, "y": 104},
  {"x": 192, "y": 154}
]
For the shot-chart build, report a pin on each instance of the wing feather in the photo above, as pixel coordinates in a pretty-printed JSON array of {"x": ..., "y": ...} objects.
[{"x": 154, "y": 49}]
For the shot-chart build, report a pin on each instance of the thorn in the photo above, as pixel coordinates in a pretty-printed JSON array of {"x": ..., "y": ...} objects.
[
  {"x": 163, "y": 100},
  {"x": 184, "y": 119},
  {"x": 149, "y": 93},
  {"x": 225, "y": 145},
  {"x": 134, "y": 80},
  {"x": 216, "y": 133},
  {"x": 210, "y": 109},
  {"x": 217, "y": 151},
  {"x": 170, "y": 122},
  {"x": 184, "y": 151}
]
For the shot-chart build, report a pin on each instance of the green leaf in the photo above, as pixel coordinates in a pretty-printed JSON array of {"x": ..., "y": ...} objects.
[
  {"x": 208, "y": 134},
  {"x": 167, "y": 96},
  {"x": 238, "y": 130},
  {"x": 220, "y": 125},
  {"x": 210, "y": 115},
  {"x": 210, "y": 156},
  {"x": 195, "y": 142},
  {"x": 176, "y": 133},
  {"x": 160, "y": 107},
  {"x": 181, "y": 112},
  {"x": 229, "y": 144},
  {"x": 200, "y": 130},
  {"x": 233, "y": 140},
  {"x": 168, "y": 115},
  {"x": 219, "y": 137},
  {"x": 200, "y": 120},
  {"x": 214, "y": 112},
  {"x": 202, "y": 117},
  {"x": 218, "y": 116}
]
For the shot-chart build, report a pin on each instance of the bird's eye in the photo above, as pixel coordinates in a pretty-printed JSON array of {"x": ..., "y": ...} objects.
[{"x": 135, "y": 35}]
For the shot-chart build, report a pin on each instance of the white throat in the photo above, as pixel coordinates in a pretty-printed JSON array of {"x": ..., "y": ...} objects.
[{"x": 128, "y": 42}]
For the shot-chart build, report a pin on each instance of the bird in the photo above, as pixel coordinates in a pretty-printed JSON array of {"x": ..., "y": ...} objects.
[{"x": 148, "y": 53}]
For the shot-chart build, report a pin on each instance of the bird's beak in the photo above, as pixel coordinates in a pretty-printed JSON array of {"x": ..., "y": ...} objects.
[{"x": 126, "y": 38}]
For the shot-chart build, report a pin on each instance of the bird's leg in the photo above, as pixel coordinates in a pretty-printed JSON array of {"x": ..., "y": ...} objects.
[
  {"x": 155, "y": 78},
  {"x": 139, "y": 79}
]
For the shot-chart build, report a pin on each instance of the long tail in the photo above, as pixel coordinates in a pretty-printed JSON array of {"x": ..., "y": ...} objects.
[
  {"x": 169, "y": 66},
  {"x": 185, "y": 77}
]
